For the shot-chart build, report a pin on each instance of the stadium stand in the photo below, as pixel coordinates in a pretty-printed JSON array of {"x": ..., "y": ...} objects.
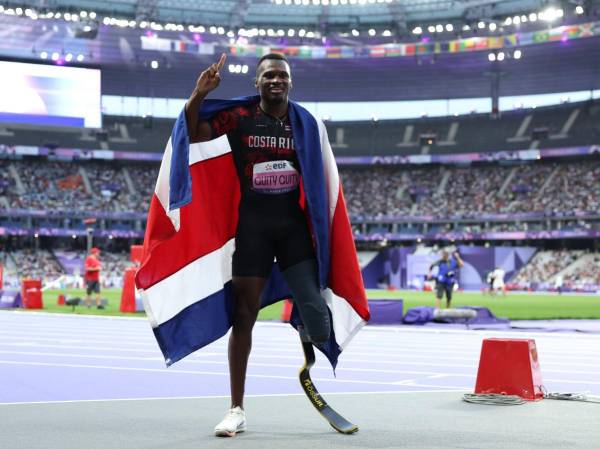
[{"x": 569, "y": 124}]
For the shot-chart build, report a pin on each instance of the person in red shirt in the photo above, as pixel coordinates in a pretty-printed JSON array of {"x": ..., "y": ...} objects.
[{"x": 92, "y": 278}]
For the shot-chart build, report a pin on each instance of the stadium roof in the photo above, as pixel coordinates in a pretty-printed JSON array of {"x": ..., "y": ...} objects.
[{"x": 324, "y": 16}]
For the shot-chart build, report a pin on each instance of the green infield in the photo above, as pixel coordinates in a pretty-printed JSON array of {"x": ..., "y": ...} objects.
[{"x": 514, "y": 305}]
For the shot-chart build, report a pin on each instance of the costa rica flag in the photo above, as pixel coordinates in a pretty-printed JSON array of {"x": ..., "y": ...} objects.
[{"x": 185, "y": 276}]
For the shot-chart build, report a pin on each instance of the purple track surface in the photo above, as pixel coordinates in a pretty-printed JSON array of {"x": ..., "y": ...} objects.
[{"x": 50, "y": 357}]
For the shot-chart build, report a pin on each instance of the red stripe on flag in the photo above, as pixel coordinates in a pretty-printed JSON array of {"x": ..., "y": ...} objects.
[
  {"x": 206, "y": 224},
  {"x": 344, "y": 277}
]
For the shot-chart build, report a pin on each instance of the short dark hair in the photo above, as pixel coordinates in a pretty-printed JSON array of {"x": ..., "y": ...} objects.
[{"x": 272, "y": 57}]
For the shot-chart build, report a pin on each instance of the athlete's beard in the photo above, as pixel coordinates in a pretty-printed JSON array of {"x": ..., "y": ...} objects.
[{"x": 274, "y": 101}]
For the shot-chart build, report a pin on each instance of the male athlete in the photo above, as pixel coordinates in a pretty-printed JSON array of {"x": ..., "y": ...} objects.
[
  {"x": 446, "y": 276},
  {"x": 271, "y": 222}
]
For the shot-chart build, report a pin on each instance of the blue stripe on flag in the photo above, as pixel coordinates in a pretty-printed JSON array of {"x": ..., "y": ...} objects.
[{"x": 196, "y": 326}]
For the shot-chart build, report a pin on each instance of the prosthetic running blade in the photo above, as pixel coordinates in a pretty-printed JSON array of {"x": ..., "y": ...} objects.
[{"x": 337, "y": 421}]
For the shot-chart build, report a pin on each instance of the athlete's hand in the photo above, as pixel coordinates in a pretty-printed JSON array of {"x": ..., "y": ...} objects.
[{"x": 209, "y": 79}]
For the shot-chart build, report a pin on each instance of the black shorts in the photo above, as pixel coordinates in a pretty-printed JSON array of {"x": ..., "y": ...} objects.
[
  {"x": 92, "y": 287},
  {"x": 444, "y": 287},
  {"x": 265, "y": 235}
]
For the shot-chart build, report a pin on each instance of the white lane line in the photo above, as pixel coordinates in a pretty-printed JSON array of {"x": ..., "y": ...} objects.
[
  {"x": 393, "y": 329},
  {"x": 225, "y": 363},
  {"x": 274, "y": 395},
  {"x": 181, "y": 371},
  {"x": 545, "y": 356},
  {"x": 253, "y": 363},
  {"x": 343, "y": 360}
]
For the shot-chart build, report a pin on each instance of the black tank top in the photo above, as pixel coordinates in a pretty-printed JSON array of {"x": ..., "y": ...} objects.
[{"x": 264, "y": 156}]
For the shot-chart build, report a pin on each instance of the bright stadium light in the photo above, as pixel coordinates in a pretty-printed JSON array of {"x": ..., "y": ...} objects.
[
  {"x": 481, "y": 25},
  {"x": 417, "y": 30},
  {"x": 83, "y": 13},
  {"x": 550, "y": 14},
  {"x": 69, "y": 57},
  {"x": 280, "y": 33},
  {"x": 386, "y": 33},
  {"x": 466, "y": 28},
  {"x": 213, "y": 30},
  {"x": 230, "y": 33},
  {"x": 533, "y": 17},
  {"x": 92, "y": 15},
  {"x": 80, "y": 58},
  {"x": 55, "y": 56},
  {"x": 44, "y": 55},
  {"x": 372, "y": 32},
  {"x": 508, "y": 21},
  {"x": 491, "y": 57},
  {"x": 439, "y": 28},
  {"x": 154, "y": 64},
  {"x": 579, "y": 10},
  {"x": 516, "y": 20},
  {"x": 431, "y": 29},
  {"x": 301, "y": 32},
  {"x": 500, "y": 56},
  {"x": 517, "y": 54},
  {"x": 355, "y": 33},
  {"x": 449, "y": 27},
  {"x": 244, "y": 68},
  {"x": 492, "y": 26},
  {"x": 523, "y": 18},
  {"x": 106, "y": 21}
]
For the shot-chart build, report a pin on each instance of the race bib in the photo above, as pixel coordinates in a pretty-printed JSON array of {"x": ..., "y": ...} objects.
[{"x": 274, "y": 177}]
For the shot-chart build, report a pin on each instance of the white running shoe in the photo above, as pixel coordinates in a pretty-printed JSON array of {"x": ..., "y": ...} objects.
[{"x": 234, "y": 422}]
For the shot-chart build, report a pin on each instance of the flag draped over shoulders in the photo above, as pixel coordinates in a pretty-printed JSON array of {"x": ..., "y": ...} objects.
[{"x": 185, "y": 275}]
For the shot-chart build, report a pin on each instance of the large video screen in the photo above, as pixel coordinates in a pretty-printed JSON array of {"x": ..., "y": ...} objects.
[{"x": 50, "y": 95}]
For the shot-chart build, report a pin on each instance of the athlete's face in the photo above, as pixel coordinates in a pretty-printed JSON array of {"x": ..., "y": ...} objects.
[{"x": 273, "y": 81}]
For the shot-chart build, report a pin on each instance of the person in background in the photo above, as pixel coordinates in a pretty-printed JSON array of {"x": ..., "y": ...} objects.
[
  {"x": 558, "y": 284},
  {"x": 498, "y": 284},
  {"x": 92, "y": 278},
  {"x": 446, "y": 276}
]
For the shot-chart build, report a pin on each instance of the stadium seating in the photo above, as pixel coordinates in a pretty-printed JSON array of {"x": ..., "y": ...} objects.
[{"x": 541, "y": 128}]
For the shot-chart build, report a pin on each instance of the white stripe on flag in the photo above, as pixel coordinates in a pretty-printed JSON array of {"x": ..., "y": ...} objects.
[
  {"x": 202, "y": 151},
  {"x": 332, "y": 179},
  {"x": 346, "y": 322},
  {"x": 162, "y": 186},
  {"x": 173, "y": 294}
]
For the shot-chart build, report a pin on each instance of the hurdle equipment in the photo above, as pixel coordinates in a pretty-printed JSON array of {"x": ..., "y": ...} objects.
[
  {"x": 31, "y": 294},
  {"x": 128, "y": 294},
  {"x": 335, "y": 420},
  {"x": 286, "y": 310},
  {"x": 510, "y": 367}
]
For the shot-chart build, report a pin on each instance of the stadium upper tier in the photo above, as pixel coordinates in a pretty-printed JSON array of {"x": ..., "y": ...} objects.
[{"x": 559, "y": 126}]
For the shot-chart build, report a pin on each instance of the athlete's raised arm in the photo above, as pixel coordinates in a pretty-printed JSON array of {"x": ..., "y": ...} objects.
[{"x": 208, "y": 81}]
